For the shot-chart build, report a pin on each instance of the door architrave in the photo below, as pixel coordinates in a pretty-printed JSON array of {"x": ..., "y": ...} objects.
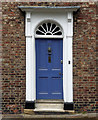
[{"x": 65, "y": 19}]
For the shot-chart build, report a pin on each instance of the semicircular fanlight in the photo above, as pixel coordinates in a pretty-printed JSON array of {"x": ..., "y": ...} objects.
[{"x": 48, "y": 29}]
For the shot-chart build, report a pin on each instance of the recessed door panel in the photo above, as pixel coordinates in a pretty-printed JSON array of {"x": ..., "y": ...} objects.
[{"x": 49, "y": 69}]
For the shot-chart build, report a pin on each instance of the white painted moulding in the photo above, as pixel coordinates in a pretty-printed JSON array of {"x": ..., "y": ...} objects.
[
  {"x": 48, "y": 8},
  {"x": 65, "y": 19}
]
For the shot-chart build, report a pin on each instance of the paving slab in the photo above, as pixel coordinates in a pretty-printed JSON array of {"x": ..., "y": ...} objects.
[{"x": 88, "y": 116}]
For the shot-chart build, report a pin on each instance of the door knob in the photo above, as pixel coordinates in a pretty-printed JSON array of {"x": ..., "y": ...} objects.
[
  {"x": 60, "y": 74},
  {"x": 61, "y": 61}
]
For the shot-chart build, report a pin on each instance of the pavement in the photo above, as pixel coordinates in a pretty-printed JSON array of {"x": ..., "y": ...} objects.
[{"x": 86, "y": 116}]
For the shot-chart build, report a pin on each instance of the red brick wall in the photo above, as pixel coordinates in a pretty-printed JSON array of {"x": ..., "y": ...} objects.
[
  {"x": 14, "y": 56},
  {"x": 96, "y": 56},
  {"x": 0, "y": 57},
  {"x": 14, "y": 51},
  {"x": 84, "y": 56}
]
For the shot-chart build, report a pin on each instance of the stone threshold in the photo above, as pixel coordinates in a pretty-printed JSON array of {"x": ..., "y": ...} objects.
[{"x": 49, "y": 101}]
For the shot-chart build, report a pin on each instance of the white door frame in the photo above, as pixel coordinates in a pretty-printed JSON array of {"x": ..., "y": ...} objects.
[{"x": 33, "y": 18}]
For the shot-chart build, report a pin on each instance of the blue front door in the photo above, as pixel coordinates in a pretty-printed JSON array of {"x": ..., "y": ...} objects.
[{"x": 49, "y": 68}]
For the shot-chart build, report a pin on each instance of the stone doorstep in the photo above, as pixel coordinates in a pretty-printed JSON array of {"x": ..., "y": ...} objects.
[
  {"x": 46, "y": 106},
  {"x": 49, "y": 106},
  {"x": 33, "y": 111}
]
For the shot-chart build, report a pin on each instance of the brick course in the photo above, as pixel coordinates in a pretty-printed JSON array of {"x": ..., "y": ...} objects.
[
  {"x": 0, "y": 58},
  {"x": 97, "y": 56},
  {"x": 14, "y": 56}
]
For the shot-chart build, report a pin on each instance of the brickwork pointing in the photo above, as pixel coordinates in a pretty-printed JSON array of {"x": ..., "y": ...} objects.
[{"x": 49, "y": 1}]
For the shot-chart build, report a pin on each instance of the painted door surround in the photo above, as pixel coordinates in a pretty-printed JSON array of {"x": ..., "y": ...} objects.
[{"x": 64, "y": 17}]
